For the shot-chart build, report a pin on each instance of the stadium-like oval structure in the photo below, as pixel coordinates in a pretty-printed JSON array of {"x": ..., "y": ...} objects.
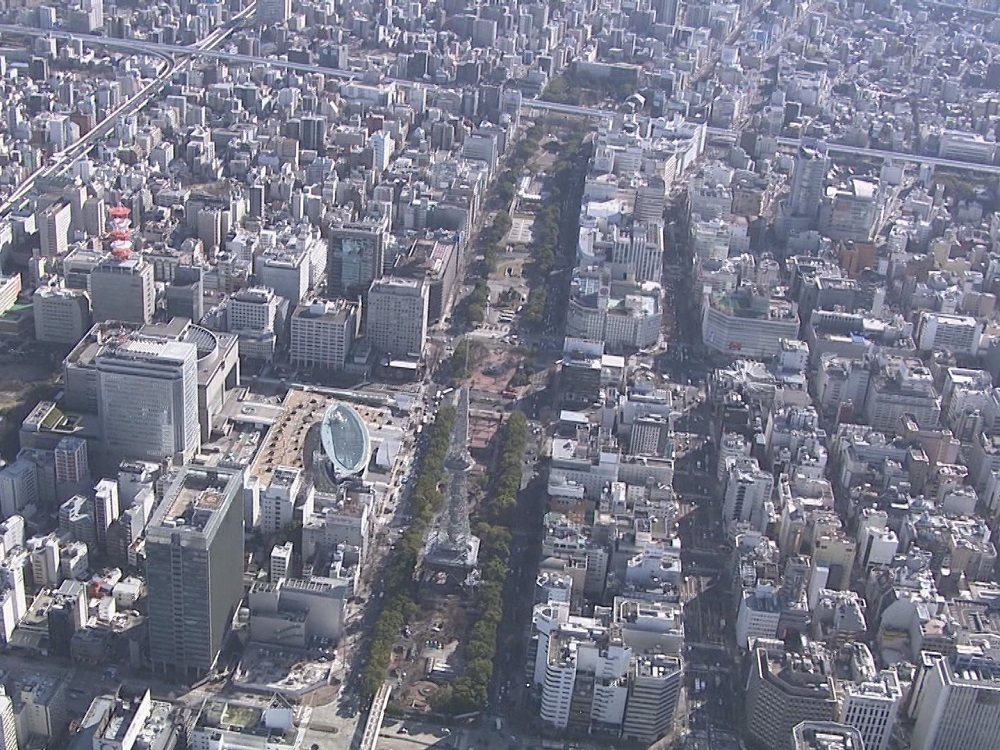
[{"x": 345, "y": 439}]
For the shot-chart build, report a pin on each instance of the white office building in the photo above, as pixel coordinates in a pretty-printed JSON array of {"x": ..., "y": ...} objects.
[
  {"x": 871, "y": 707},
  {"x": 396, "y": 319},
  {"x": 956, "y": 703},
  {"x": 148, "y": 399},
  {"x": 18, "y": 487},
  {"x": 323, "y": 333},
  {"x": 956, "y": 334}
]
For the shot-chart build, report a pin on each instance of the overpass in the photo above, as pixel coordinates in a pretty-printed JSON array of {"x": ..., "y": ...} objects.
[
  {"x": 62, "y": 159},
  {"x": 369, "y": 740}
]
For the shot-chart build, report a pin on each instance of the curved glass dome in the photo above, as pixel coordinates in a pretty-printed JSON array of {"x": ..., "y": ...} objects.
[{"x": 345, "y": 440}]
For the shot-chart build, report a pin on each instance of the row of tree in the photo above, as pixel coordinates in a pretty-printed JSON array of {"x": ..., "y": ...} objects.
[
  {"x": 398, "y": 583},
  {"x": 546, "y": 226},
  {"x": 470, "y": 692}
]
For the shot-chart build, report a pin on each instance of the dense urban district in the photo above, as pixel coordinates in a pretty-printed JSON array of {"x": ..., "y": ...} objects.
[{"x": 549, "y": 374}]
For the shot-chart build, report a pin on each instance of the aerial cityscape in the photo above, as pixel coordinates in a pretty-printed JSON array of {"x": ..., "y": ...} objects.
[{"x": 550, "y": 374}]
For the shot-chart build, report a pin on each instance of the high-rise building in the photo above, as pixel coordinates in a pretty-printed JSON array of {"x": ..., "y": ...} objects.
[
  {"x": 784, "y": 690},
  {"x": 809, "y": 180},
  {"x": 148, "y": 399},
  {"x": 53, "y": 229},
  {"x": 123, "y": 289},
  {"x": 277, "y": 502},
  {"x": 273, "y": 11},
  {"x": 357, "y": 257},
  {"x": 323, "y": 333},
  {"x": 185, "y": 294},
  {"x": 62, "y": 316},
  {"x": 396, "y": 319},
  {"x": 652, "y": 698},
  {"x": 194, "y": 553},
  {"x": 66, "y": 615},
  {"x": 956, "y": 702}
]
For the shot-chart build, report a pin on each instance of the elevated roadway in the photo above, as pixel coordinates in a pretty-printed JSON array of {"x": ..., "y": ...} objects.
[{"x": 60, "y": 160}]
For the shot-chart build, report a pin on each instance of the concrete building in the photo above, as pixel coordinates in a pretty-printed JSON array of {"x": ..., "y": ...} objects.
[
  {"x": 956, "y": 334},
  {"x": 396, "y": 316},
  {"x": 148, "y": 399},
  {"x": 71, "y": 460},
  {"x": 294, "y": 612},
  {"x": 905, "y": 386},
  {"x": 748, "y": 323},
  {"x": 785, "y": 689},
  {"x": 235, "y": 726},
  {"x": 277, "y": 501},
  {"x": 280, "y": 561},
  {"x": 956, "y": 702},
  {"x": 356, "y": 257},
  {"x": 62, "y": 316},
  {"x": 622, "y": 314},
  {"x": 872, "y": 708},
  {"x": 53, "y": 229},
  {"x": 273, "y": 12},
  {"x": 256, "y": 315},
  {"x": 826, "y": 735},
  {"x": 194, "y": 552},
  {"x": 809, "y": 180},
  {"x": 748, "y": 494},
  {"x": 654, "y": 688},
  {"x": 123, "y": 289},
  {"x": 8, "y": 725},
  {"x": 323, "y": 333},
  {"x": 18, "y": 487}
]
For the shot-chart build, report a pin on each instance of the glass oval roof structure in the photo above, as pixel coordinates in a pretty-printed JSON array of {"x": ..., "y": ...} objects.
[{"x": 345, "y": 440}]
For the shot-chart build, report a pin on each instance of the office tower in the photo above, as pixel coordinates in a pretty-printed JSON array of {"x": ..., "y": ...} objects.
[
  {"x": 652, "y": 698},
  {"x": 194, "y": 552},
  {"x": 106, "y": 509},
  {"x": 123, "y": 289},
  {"x": 312, "y": 132},
  {"x": 356, "y": 257},
  {"x": 53, "y": 229},
  {"x": 44, "y": 555},
  {"x": 257, "y": 196},
  {"x": 72, "y": 464},
  {"x": 185, "y": 294},
  {"x": 148, "y": 399},
  {"x": 396, "y": 319},
  {"x": 273, "y": 11},
  {"x": 872, "y": 707},
  {"x": 210, "y": 228},
  {"x": 955, "y": 334},
  {"x": 826, "y": 735},
  {"x": 18, "y": 487},
  {"x": 94, "y": 216},
  {"x": 323, "y": 333},
  {"x": 62, "y": 316},
  {"x": 640, "y": 252},
  {"x": 12, "y": 579},
  {"x": 809, "y": 180},
  {"x": 8, "y": 727},
  {"x": 784, "y": 690},
  {"x": 956, "y": 703}
]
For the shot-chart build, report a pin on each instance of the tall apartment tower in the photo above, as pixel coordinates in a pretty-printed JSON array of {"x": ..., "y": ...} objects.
[
  {"x": 273, "y": 11},
  {"x": 396, "y": 321},
  {"x": 148, "y": 399},
  {"x": 122, "y": 289},
  {"x": 356, "y": 258},
  {"x": 809, "y": 180},
  {"x": 194, "y": 552}
]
